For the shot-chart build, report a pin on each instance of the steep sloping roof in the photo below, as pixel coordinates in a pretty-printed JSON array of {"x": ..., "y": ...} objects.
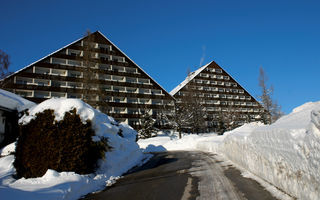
[
  {"x": 43, "y": 58},
  {"x": 135, "y": 63},
  {"x": 97, "y": 32},
  {"x": 192, "y": 75},
  {"x": 188, "y": 79}
]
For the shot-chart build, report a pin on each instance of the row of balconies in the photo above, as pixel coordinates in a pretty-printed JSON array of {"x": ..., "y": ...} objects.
[
  {"x": 230, "y": 103},
  {"x": 101, "y": 66},
  {"x": 79, "y": 74},
  {"x": 50, "y": 94},
  {"x": 139, "y": 101},
  {"x": 215, "y": 95},
  {"x": 211, "y": 82},
  {"x": 218, "y": 102},
  {"x": 46, "y": 94},
  {"x": 79, "y": 85},
  {"x": 95, "y": 45},
  {"x": 218, "y": 89},
  {"x": 94, "y": 55},
  {"x": 225, "y": 109},
  {"x": 225, "y": 96},
  {"x": 215, "y": 76},
  {"x": 209, "y": 69},
  {"x": 130, "y": 111}
]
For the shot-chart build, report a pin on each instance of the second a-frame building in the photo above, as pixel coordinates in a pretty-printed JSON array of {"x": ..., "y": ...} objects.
[
  {"x": 222, "y": 98},
  {"x": 92, "y": 68}
]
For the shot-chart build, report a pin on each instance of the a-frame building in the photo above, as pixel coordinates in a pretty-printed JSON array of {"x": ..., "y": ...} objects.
[
  {"x": 224, "y": 101},
  {"x": 93, "y": 69}
]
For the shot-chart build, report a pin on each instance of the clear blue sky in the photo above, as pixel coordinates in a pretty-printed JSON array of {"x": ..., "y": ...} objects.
[{"x": 167, "y": 37}]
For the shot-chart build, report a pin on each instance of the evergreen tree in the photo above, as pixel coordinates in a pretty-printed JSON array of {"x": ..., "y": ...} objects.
[{"x": 148, "y": 128}]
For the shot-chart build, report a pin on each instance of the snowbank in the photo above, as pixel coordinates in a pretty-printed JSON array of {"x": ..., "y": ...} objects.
[
  {"x": 286, "y": 153},
  {"x": 204, "y": 142},
  {"x": 124, "y": 155},
  {"x": 13, "y": 101}
]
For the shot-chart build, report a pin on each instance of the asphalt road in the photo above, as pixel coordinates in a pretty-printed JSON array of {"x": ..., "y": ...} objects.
[{"x": 183, "y": 175}]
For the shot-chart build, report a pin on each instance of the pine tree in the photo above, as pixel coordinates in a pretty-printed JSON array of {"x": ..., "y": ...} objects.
[{"x": 148, "y": 128}]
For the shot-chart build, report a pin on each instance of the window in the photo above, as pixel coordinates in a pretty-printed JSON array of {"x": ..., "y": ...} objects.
[
  {"x": 131, "y": 80},
  {"x": 144, "y": 91},
  {"x": 131, "y": 70},
  {"x": 143, "y": 101},
  {"x": 131, "y": 90},
  {"x": 58, "y": 61},
  {"x": 132, "y": 100}
]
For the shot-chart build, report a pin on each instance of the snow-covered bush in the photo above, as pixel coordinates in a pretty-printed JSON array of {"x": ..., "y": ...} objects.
[
  {"x": 64, "y": 145},
  {"x": 123, "y": 155}
]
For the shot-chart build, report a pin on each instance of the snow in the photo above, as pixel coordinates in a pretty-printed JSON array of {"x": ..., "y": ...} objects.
[
  {"x": 188, "y": 79},
  {"x": 285, "y": 154},
  {"x": 14, "y": 102},
  {"x": 124, "y": 155}
]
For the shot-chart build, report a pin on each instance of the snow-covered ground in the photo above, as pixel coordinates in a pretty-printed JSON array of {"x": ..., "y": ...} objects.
[
  {"x": 285, "y": 154},
  {"x": 124, "y": 155}
]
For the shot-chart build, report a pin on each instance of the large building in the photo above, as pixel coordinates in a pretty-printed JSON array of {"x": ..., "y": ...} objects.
[
  {"x": 97, "y": 71},
  {"x": 220, "y": 96}
]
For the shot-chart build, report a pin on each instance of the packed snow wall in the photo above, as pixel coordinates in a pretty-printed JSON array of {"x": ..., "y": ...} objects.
[{"x": 286, "y": 153}]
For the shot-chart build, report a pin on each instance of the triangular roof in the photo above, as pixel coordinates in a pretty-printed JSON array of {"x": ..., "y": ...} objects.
[
  {"x": 135, "y": 63},
  {"x": 193, "y": 74},
  {"x": 188, "y": 79},
  {"x": 96, "y": 32}
]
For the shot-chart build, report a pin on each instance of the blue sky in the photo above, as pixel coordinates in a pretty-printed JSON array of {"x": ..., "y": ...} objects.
[{"x": 166, "y": 38}]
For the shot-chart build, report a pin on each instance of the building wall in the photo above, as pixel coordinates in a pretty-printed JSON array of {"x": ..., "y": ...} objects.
[
  {"x": 220, "y": 95},
  {"x": 106, "y": 79}
]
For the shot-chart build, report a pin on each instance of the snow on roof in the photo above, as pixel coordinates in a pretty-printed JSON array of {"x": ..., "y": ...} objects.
[
  {"x": 13, "y": 102},
  {"x": 188, "y": 79}
]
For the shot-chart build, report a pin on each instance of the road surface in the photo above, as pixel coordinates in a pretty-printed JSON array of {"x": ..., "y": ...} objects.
[{"x": 183, "y": 175}]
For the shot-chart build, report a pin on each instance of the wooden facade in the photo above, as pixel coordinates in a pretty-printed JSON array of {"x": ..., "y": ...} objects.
[{"x": 119, "y": 88}]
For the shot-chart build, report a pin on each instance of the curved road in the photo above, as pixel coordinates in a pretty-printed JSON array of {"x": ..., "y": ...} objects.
[{"x": 183, "y": 175}]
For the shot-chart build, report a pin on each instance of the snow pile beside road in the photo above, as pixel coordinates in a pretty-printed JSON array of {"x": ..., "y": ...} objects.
[
  {"x": 286, "y": 153},
  {"x": 124, "y": 155},
  {"x": 191, "y": 142}
]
